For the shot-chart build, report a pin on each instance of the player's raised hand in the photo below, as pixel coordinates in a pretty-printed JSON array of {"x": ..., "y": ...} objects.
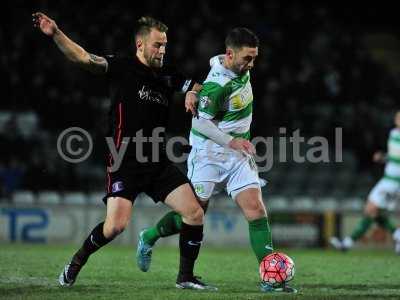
[
  {"x": 46, "y": 25},
  {"x": 191, "y": 103},
  {"x": 379, "y": 157},
  {"x": 243, "y": 145}
]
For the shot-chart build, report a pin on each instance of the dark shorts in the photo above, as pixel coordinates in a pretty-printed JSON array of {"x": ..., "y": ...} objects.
[{"x": 156, "y": 180}]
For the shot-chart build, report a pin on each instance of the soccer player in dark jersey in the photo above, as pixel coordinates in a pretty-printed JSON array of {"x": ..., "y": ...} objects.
[{"x": 141, "y": 89}]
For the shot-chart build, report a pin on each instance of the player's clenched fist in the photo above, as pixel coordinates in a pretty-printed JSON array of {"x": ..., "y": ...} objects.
[
  {"x": 191, "y": 102},
  {"x": 46, "y": 25}
]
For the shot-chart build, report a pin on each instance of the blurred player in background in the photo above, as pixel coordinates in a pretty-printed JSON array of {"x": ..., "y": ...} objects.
[
  {"x": 141, "y": 89},
  {"x": 382, "y": 197},
  {"x": 222, "y": 155}
]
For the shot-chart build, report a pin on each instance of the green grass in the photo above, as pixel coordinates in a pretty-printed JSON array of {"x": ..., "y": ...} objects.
[{"x": 31, "y": 272}]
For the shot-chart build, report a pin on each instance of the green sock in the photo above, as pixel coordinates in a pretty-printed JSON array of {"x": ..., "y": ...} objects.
[
  {"x": 361, "y": 228},
  {"x": 384, "y": 221},
  {"x": 170, "y": 224},
  {"x": 151, "y": 235},
  {"x": 260, "y": 238}
]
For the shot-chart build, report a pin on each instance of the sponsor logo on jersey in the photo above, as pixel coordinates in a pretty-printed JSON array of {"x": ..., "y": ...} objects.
[
  {"x": 237, "y": 102},
  {"x": 242, "y": 98},
  {"x": 147, "y": 94}
]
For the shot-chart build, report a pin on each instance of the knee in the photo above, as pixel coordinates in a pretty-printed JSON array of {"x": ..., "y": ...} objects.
[
  {"x": 255, "y": 212},
  {"x": 112, "y": 229},
  {"x": 371, "y": 210},
  {"x": 195, "y": 215}
]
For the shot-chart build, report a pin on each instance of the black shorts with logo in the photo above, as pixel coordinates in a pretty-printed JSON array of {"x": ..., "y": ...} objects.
[{"x": 157, "y": 180}]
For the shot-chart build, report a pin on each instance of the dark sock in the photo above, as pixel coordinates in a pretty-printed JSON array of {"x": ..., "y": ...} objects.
[
  {"x": 189, "y": 244},
  {"x": 361, "y": 228},
  {"x": 383, "y": 221},
  {"x": 169, "y": 224},
  {"x": 93, "y": 242}
]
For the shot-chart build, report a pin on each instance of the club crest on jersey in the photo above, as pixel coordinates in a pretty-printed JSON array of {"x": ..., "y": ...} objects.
[
  {"x": 117, "y": 186},
  {"x": 199, "y": 189},
  {"x": 204, "y": 102}
]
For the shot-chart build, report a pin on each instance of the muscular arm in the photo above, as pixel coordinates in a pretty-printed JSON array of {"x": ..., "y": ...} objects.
[
  {"x": 71, "y": 50},
  {"x": 76, "y": 54}
]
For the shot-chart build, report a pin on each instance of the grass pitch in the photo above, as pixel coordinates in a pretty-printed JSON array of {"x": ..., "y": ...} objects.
[{"x": 31, "y": 272}]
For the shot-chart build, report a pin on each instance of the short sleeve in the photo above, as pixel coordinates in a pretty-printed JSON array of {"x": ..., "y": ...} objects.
[
  {"x": 178, "y": 81},
  {"x": 211, "y": 100}
]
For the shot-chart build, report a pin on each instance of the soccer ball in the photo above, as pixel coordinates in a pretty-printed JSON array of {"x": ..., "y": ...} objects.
[{"x": 276, "y": 269}]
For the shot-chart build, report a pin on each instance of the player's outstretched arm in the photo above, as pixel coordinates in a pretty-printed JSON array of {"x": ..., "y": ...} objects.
[
  {"x": 73, "y": 52},
  {"x": 379, "y": 157}
]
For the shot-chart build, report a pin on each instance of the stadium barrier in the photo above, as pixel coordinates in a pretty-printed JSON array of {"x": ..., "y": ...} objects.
[{"x": 300, "y": 222}]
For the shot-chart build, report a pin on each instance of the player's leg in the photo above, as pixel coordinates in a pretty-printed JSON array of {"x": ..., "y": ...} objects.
[
  {"x": 396, "y": 238},
  {"x": 385, "y": 222},
  {"x": 183, "y": 201},
  {"x": 370, "y": 215},
  {"x": 118, "y": 215},
  {"x": 173, "y": 188},
  {"x": 170, "y": 224},
  {"x": 252, "y": 206},
  {"x": 377, "y": 202},
  {"x": 244, "y": 187}
]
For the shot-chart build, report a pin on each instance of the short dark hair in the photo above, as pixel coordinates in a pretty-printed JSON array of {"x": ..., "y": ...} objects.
[
  {"x": 146, "y": 23},
  {"x": 241, "y": 37}
]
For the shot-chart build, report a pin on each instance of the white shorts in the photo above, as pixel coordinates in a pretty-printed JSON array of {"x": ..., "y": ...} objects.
[
  {"x": 209, "y": 171},
  {"x": 385, "y": 193}
]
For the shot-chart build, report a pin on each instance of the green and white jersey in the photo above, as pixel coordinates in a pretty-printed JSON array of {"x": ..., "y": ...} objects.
[
  {"x": 227, "y": 100},
  {"x": 392, "y": 168}
]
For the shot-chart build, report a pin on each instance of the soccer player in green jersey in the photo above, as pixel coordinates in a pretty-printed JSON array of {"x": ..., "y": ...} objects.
[
  {"x": 222, "y": 154},
  {"x": 382, "y": 197}
]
